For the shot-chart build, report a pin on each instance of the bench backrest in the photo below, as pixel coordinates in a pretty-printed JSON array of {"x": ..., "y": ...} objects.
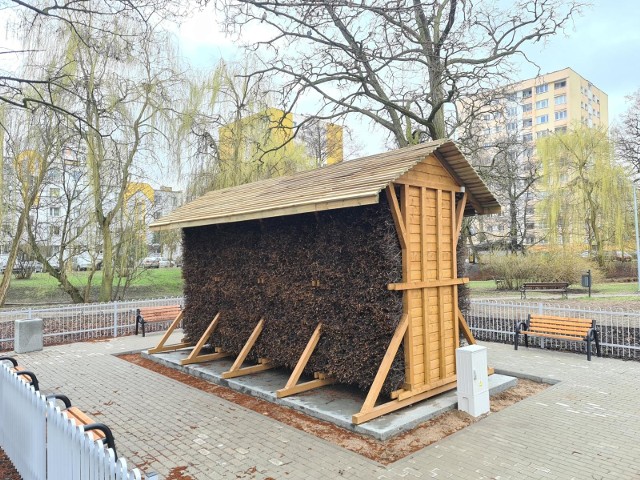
[
  {"x": 545, "y": 285},
  {"x": 564, "y": 326},
  {"x": 168, "y": 312}
]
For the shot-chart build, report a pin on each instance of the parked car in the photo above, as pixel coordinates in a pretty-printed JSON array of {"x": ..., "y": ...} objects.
[
  {"x": 85, "y": 261},
  {"x": 165, "y": 263},
  {"x": 4, "y": 258},
  {"x": 31, "y": 265},
  {"x": 151, "y": 262}
]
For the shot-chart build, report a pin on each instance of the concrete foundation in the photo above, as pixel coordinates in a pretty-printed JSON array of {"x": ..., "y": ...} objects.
[
  {"x": 28, "y": 335},
  {"x": 335, "y": 403}
]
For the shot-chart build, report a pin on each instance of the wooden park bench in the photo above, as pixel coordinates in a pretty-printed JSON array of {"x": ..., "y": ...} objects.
[
  {"x": 548, "y": 287},
  {"x": 167, "y": 313},
  {"x": 28, "y": 376},
  {"x": 98, "y": 431},
  {"x": 561, "y": 328}
]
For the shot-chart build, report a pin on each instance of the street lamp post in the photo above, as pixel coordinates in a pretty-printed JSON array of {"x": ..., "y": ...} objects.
[{"x": 635, "y": 218}]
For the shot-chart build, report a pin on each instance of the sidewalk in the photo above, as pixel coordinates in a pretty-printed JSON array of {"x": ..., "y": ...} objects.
[{"x": 585, "y": 426}]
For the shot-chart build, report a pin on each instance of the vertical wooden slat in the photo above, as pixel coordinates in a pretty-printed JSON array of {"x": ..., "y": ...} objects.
[
  {"x": 454, "y": 268},
  {"x": 425, "y": 302},
  {"x": 406, "y": 297},
  {"x": 439, "y": 276}
]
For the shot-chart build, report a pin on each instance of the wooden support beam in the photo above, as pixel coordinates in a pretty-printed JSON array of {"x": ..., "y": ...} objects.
[
  {"x": 305, "y": 387},
  {"x": 460, "y": 214},
  {"x": 464, "y": 327},
  {"x": 300, "y": 365},
  {"x": 161, "y": 347},
  {"x": 236, "y": 370},
  {"x": 194, "y": 356},
  {"x": 402, "y": 395},
  {"x": 385, "y": 365},
  {"x": 397, "y": 216},
  {"x": 427, "y": 284},
  {"x": 260, "y": 367},
  {"x": 407, "y": 301},
  {"x": 394, "y": 405}
]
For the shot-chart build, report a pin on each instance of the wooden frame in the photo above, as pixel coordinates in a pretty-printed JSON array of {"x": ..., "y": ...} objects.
[
  {"x": 292, "y": 387},
  {"x": 161, "y": 347},
  {"x": 428, "y": 221},
  {"x": 236, "y": 369},
  {"x": 195, "y": 357}
]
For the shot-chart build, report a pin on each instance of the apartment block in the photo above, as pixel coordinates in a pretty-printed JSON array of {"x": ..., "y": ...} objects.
[{"x": 526, "y": 111}]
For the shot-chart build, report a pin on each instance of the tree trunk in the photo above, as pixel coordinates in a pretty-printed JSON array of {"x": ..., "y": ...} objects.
[
  {"x": 13, "y": 254},
  {"x": 108, "y": 273}
]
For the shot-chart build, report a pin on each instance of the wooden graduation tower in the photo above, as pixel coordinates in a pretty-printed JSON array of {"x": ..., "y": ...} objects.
[{"x": 429, "y": 188}]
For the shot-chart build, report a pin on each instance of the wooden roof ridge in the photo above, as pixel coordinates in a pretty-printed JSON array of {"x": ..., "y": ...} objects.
[{"x": 347, "y": 184}]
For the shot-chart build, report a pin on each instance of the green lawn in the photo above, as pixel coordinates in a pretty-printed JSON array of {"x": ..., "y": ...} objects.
[
  {"x": 487, "y": 288},
  {"x": 43, "y": 288}
]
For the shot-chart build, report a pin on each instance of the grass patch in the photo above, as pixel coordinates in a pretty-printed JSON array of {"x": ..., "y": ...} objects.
[
  {"x": 487, "y": 288},
  {"x": 43, "y": 288}
]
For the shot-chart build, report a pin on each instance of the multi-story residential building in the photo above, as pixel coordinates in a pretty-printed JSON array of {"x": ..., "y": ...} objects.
[{"x": 526, "y": 111}]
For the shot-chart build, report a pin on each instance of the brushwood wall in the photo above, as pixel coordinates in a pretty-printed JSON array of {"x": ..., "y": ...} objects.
[{"x": 331, "y": 267}]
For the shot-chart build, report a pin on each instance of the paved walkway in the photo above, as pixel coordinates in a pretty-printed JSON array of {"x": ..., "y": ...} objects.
[{"x": 587, "y": 426}]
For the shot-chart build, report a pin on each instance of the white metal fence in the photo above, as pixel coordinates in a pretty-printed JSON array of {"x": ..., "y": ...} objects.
[
  {"x": 75, "y": 323},
  {"x": 43, "y": 444},
  {"x": 619, "y": 329}
]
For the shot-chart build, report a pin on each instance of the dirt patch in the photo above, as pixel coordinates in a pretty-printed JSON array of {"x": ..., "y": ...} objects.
[
  {"x": 177, "y": 473},
  {"x": 384, "y": 452},
  {"x": 7, "y": 470}
]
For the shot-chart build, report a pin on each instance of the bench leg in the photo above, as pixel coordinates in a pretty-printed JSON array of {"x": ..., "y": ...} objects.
[
  {"x": 526, "y": 340},
  {"x": 588, "y": 348},
  {"x": 137, "y": 323},
  {"x": 142, "y": 322},
  {"x": 596, "y": 338},
  {"x": 516, "y": 339}
]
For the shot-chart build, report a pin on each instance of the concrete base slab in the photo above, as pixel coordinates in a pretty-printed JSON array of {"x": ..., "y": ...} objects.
[{"x": 334, "y": 403}]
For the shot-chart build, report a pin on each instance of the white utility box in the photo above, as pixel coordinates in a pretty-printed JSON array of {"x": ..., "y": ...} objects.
[{"x": 473, "y": 380}]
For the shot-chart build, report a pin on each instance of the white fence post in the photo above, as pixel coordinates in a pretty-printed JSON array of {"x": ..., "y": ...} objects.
[{"x": 115, "y": 320}]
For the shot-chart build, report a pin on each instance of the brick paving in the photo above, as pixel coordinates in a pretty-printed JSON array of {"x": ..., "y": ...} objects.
[{"x": 586, "y": 426}]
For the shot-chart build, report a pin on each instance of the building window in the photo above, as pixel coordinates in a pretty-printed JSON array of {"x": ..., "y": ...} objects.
[
  {"x": 542, "y": 88},
  {"x": 561, "y": 115},
  {"x": 54, "y": 211},
  {"x": 527, "y": 107},
  {"x": 512, "y": 111},
  {"x": 560, "y": 100},
  {"x": 541, "y": 134},
  {"x": 542, "y": 103},
  {"x": 527, "y": 137},
  {"x": 511, "y": 126},
  {"x": 486, "y": 118},
  {"x": 561, "y": 129},
  {"x": 54, "y": 192},
  {"x": 526, "y": 93},
  {"x": 54, "y": 230},
  {"x": 527, "y": 122},
  {"x": 560, "y": 84},
  {"x": 487, "y": 131},
  {"x": 542, "y": 119}
]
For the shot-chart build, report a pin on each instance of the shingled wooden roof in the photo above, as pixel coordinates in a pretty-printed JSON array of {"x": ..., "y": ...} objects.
[{"x": 347, "y": 184}]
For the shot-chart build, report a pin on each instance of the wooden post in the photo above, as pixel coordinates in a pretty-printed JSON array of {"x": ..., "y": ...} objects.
[
  {"x": 292, "y": 387},
  {"x": 236, "y": 370},
  {"x": 195, "y": 357},
  {"x": 161, "y": 347}
]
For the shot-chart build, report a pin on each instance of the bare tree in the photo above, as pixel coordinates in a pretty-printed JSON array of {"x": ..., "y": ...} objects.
[
  {"x": 33, "y": 25},
  {"x": 628, "y": 133},
  {"x": 404, "y": 65}
]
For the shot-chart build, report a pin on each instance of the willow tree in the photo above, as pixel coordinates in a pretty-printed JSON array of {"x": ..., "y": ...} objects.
[
  {"x": 585, "y": 193},
  {"x": 233, "y": 134}
]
